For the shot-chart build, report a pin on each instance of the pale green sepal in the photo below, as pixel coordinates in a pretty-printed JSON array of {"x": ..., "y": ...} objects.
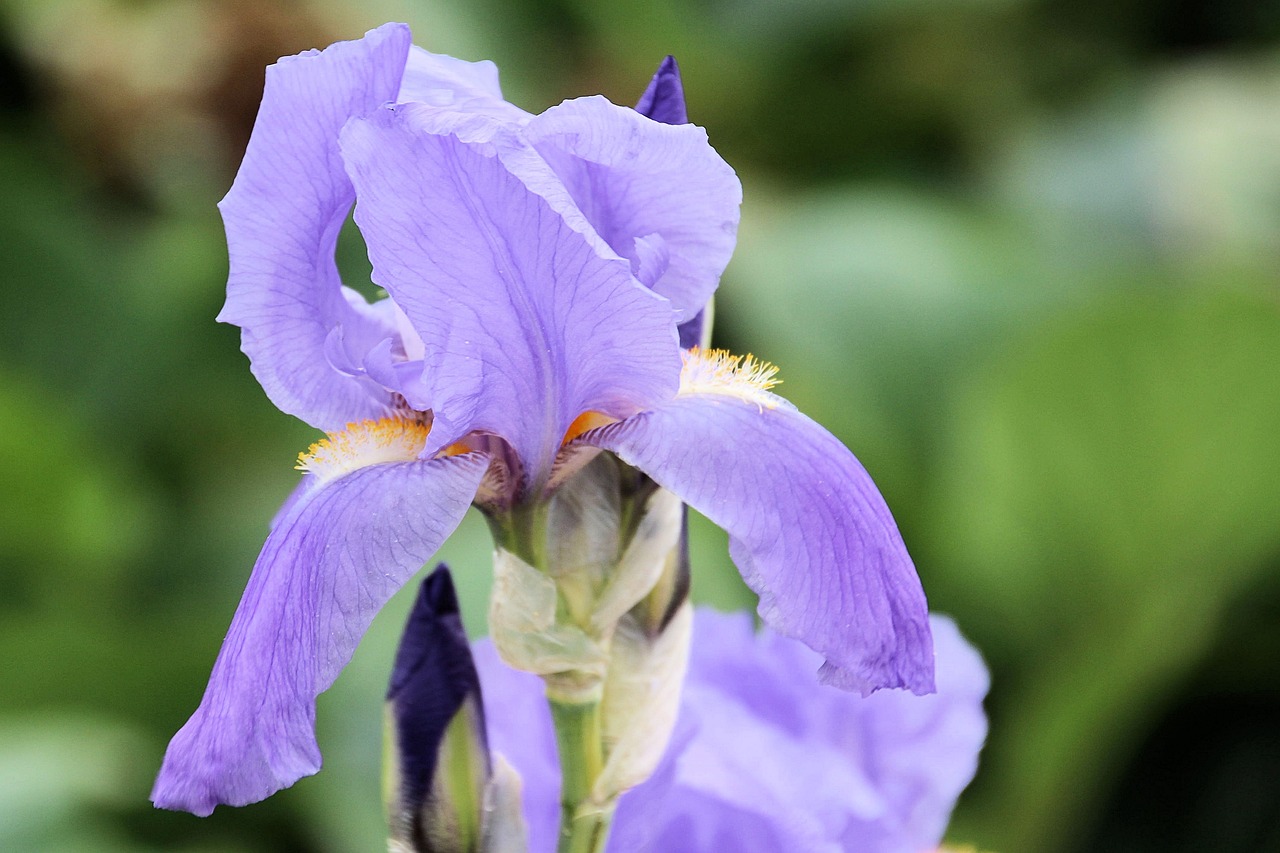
[
  {"x": 670, "y": 592},
  {"x": 641, "y": 700},
  {"x": 582, "y": 536},
  {"x": 523, "y": 626},
  {"x": 642, "y": 564}
]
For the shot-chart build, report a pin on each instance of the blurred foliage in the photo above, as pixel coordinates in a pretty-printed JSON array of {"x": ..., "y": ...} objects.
[{"x": 1019, "y": 254}]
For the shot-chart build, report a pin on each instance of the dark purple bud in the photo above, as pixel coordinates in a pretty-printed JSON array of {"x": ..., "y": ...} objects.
[
  {"x": 664, "y": 99},
  {"x": 434, "y": 703}
]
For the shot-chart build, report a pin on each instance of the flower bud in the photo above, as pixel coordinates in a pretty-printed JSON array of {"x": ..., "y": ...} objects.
[
  {"x": 590, "y": 592},
  {"x": 606, "y": 542},
  {"x": 442, "y": 793}
]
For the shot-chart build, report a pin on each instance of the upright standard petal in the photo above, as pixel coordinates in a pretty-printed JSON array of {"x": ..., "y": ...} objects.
[
  {"x": 282, "y": 217},
  {"x": 635, "y": 178},
  {"x": 807, "y": 528},
  {"x": 525, "y": 325},
  {"x": 326, "y": 569}
]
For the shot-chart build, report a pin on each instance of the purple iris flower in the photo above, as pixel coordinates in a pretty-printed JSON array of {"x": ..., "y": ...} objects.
[
  {"x": 763, "y": 757},
  {"x": 537, "y": 270}
]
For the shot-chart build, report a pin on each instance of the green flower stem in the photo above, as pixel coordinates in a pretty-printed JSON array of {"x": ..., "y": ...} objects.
[{"x": 584, "y": 823}]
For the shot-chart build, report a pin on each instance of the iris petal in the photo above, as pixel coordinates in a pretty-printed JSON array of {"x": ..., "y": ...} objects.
[
  {"x": 327, "y": 567},
  {"x": 807, "y": 528},
  {"x": 525, "y": 326},
  {"x": 633, "y": 177},
  {"x": 444, "y": 82},
  {"x": 663, "y": 101},
  {"x": 283, "y": 215}
]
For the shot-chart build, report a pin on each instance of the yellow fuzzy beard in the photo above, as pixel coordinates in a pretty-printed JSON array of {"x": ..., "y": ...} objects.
[
  {"x": 363, "y": 444},
  {"x": 716, "y": 371}
]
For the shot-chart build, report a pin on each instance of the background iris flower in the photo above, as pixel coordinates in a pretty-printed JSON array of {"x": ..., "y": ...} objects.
[
  {"x": 764, "y": 758},
  {"x": 538, "y": 268}
]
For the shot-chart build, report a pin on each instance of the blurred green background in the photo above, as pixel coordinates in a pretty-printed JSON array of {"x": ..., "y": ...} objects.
[{"x": 1021, "y": 255}]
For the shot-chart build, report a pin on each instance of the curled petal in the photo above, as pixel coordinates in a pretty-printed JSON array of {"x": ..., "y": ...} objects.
[
  {"x": 525, "y": 326},
  {"x": 633, "y": 177},
  {"x": 443, "y": 82},
  {"x": 807, "y": 528},
  {"x": 283, "y": 215},
  {"x": 326, "y": 569}
]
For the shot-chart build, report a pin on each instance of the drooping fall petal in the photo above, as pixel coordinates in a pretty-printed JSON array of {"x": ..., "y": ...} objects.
[
  {"x": 326, "y": 569},
  {"x": 807, "y": 528}
]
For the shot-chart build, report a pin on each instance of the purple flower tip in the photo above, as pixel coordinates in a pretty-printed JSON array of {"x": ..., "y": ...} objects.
[
  {"x": 663, "y": 100},
  {"x": 433, "y": 677}
]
